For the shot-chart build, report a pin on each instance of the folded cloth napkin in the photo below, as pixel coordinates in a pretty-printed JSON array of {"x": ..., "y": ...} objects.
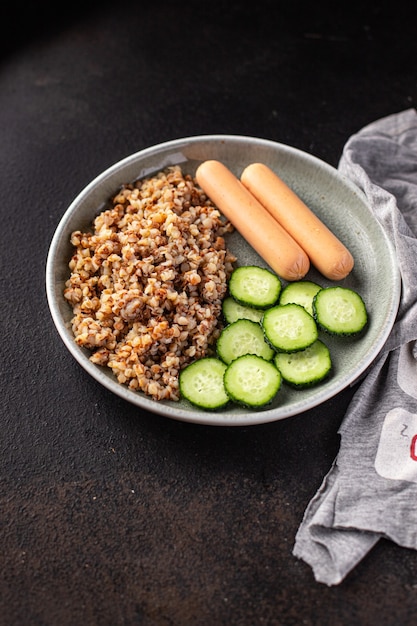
[{"x": 370, "y": 491}]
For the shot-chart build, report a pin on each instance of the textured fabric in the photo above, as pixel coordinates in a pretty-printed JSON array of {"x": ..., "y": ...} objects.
[{"x": 371, "y": 490}]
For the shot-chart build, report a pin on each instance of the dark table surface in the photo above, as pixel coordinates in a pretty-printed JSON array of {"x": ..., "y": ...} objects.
[{"x": 111, "y": 515}]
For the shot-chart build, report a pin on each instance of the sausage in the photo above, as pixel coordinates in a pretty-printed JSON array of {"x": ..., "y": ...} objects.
[
  {"x": 326, "y": 252},
  {"x": 252, "y": 220}
]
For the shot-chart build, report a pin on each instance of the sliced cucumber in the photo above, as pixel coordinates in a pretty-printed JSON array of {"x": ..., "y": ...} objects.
[
  {"x": 254, "y": 286},
  {"x": 233, "y": 311},
  {"x": 306, "y": 367},
  {"x": 289, "y": 328},
  {"x": 300, "y": 292},
  {"x": 340, "y": 311},
  {"x": 242, "y": 337},
  {"x": 251, "y": 381},
  {"x": 201, "y": 383}
]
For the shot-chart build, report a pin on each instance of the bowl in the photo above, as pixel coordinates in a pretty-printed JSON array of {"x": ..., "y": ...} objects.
[{"x": 335, "y": 199}]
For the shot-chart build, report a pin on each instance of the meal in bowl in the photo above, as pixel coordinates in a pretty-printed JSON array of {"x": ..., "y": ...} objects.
[{"x": 149, "y": 288}]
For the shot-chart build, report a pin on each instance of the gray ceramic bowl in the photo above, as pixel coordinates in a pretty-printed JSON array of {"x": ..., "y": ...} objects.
[{"x": 337, "y": 202}]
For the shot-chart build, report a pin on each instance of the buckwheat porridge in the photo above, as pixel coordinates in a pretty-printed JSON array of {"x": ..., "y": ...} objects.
[{"x": 147, "y": 283}]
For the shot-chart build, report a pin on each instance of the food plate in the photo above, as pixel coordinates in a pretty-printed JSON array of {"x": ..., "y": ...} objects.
[{"x": 337, "y": 201}]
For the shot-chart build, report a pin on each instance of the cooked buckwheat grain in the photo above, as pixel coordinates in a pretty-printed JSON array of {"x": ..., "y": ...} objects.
[{"x": 147, "y": 283}]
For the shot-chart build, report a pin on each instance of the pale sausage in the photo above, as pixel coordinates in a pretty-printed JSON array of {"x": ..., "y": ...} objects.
[
  {"x": 252, "y": 220},
  {"x": 326, "y": 252}
]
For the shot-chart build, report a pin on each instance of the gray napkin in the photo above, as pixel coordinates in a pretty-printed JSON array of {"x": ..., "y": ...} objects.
[{"x": 370, "y": 491}]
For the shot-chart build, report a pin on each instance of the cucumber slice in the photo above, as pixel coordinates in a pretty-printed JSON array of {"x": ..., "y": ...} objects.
[
  {"x": 289, "y": 328},
  {"x": 306, "y": 367},
  {"x": 300, "y": 292},
  {"x": 251, "y": 381},
  {"x": 201, "y": 383},
  {"x": 254, "y": 286},
  {"x": 340, "y": 311},
  {"x": 233, "y": 311},
  {"x": 243, "y": 337}
]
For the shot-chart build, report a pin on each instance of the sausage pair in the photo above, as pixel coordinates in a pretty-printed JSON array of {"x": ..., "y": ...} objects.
[{"x": 275, "y": 221}]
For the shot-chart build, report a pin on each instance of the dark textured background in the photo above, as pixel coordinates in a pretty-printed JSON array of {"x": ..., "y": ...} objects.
[{"x": 110, "y": 516}]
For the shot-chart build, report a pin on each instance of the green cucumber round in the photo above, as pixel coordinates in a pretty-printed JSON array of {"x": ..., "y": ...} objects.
[
  {"x": 242, "y": 337},
  {"x": 306, "y": 367},
  {"x": 233, "y": 311},
  {"x": 254, "y": 286},
  {"x": 340, "y": 311},
  {"x": 300, "y": 292},
  {"x": 289, "y": 328},
  {"x": 201, "y": 383},
  {"x": 251, "y": 381}
]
